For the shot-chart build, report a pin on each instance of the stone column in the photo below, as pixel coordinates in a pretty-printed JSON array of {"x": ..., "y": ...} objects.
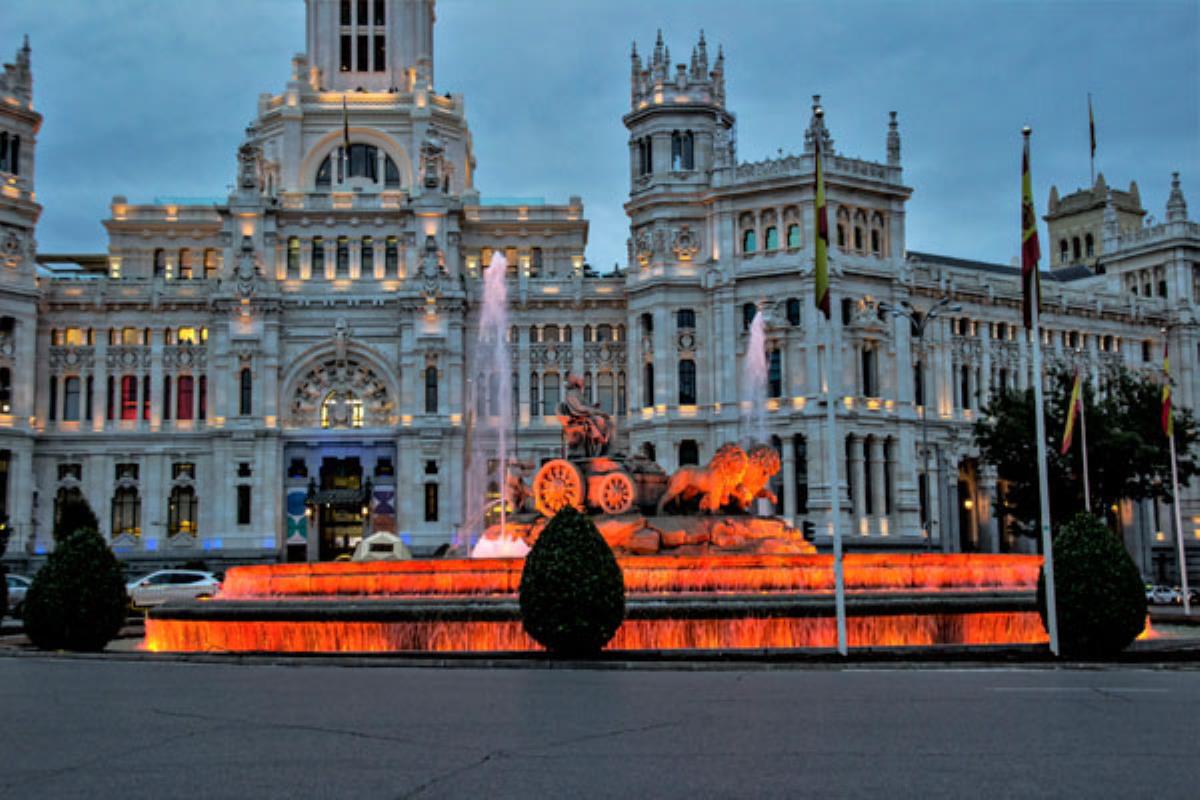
[
  {"x": 878, "y": 487},
  {"x": 156, "y": 378},
  {"x": 989, "y": 528},
  {"x": 100, "y": 380},
  {"x": 857, "y": 452},
  {"x": 789, "y": 480}
]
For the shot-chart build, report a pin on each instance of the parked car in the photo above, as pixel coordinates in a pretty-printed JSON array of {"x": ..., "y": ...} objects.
[
  {"x": 171, "y": 584},
  {"x": 18, "y": 585},
  {"x": 1162, "y": 595}
]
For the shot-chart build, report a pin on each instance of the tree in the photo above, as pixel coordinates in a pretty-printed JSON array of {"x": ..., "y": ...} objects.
[
  {"x": 1128, "y": 453},
  {"x": 74, "y": 514},
  {"x": 77, "y": 600},
  {"x": 572, "y": 589}
]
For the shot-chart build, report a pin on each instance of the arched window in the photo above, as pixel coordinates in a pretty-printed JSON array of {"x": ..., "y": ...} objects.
[
  {"x": 749, "y": 311},
  {"x": 129, "y": 406},
  {"x": 343, "y": 258},
  {"x": 793, "y": 236},
  {"x": 160, "y": 262},
  {"x": 604, "y": 333},
  {"x": 604, "y": 392},
  {"x": 431, "y": 390},
  {"x": 648, "y": 386},
  {"x": 367, "y": 260},
  {"x": 126, "y": 512},
  {"x": 1075, "y": 247},
  {"x": 843, "y": 225},
  {"x": 182, "y": 511},
  {"x": 184, "y": 397},
  {"x": 246, "y": 392},
  {"x": 391, "y": 257},
  {"x": 293, "y": 257},
  {"x": 676, "y": 151},
  {"x": 687, "y": 382},
  {"x": 1090, "y": 245},
  {"x": 391, "y": 173},
  {"x": 793, "y": 311},
  {"x": 749, "y": 241},
  {"x": 689, "y": 150},
  {"x": 877, "y": 234},
  {"x": 689, "y": 452},
  {"x": 550, "y": 393},
  {"x": 550, "y": 334},
  {"x": 860, "y": 225},
  {"x": 534, "y": 382},
  {"x": 775, "y": 373},
  {"x": 364, "y": 162},
  {"x": 771, "y": 238},
  {"x": 325, "y": 174},
  {"x": 647, "y": 324},
  {"x": 869, "y": 388},
  {"x": 210, "y": 263},
  {"x": 5, "y": 390},
  {"x": 185, "y": 264},
  {"x": 1063, "y": 251}
]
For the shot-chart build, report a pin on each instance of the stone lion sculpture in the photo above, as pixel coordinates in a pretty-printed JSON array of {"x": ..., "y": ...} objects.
[
  {"x": 762, "y": 464},
  {"x": 715, "y": 483}
]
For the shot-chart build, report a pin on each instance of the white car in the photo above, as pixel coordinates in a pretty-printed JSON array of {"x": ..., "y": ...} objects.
[
  {"x": 171, "y": 584},
  {"x": 18, "y": 585}
]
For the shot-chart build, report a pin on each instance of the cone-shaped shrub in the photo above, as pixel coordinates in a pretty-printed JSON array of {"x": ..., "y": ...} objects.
[
  {"x": 77, "y": 600},
  {"x": 572, "y": 589},
  {"x": 1100, "y": 595},
  {"x": 74, "y": 515}
]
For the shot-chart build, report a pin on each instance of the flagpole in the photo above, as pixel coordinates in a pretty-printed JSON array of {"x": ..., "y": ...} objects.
[
  {"x": 1087, "y": 491},
  {"x": 1040, "y": 433},
  {"x": 1169, "y": 429},
  {"x": 1092, "y": 137},
  {"x": 835, "y": 502}
]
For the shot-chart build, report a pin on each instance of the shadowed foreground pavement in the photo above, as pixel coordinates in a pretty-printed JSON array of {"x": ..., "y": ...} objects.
[{"x": 93, "y": 728}]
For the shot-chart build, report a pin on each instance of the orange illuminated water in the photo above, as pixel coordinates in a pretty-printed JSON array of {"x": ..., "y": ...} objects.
[{"x": 889, "y": 572}]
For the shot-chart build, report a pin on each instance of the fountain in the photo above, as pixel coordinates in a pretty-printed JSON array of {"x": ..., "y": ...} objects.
[
  {"x": 700, "y": 573},
  {"x": 754, "y": 381}
]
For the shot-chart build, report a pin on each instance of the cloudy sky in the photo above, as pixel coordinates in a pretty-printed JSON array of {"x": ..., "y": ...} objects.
[{"x": 150, "y": 97}]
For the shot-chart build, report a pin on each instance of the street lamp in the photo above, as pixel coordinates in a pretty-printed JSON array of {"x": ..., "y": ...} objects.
[{"x": 919, "y": 321}]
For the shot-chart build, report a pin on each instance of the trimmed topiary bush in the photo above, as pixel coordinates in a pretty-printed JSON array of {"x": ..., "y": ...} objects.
[
  {"x": 1100, "y": 595},
  {"x": 74, "y": 514},
  {"x": 77, "y": 600},
  {"x": 3, "y": 591},
  {"x": 572, "y": 589}
]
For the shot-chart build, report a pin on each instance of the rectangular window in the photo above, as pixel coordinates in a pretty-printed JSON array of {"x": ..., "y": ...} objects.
[
  {"x": 166, "y": 401},
  {"x": 71, "y": 398},
  {"x": 380, "y": 12},
  {"x": 345, "y": 55},
  {"x": 87, "y": 398},
  {"x": 109, "y": 406},
  {"x": 363, "y": 50},
  {"x": 245, "y": 401},
  {"x": 362, "y": 17},
  {"x": 129, "y": 386},
  {"x": 431, "y": 502},
  {"x": 184, "y": 396},
  {"x": 202, "y": 401},
  {"x": 380, "y": 50},
  {"x": 243, "y": 505},
  {"x": 146, "y": 397},
  {"x": 53, "y": 415},
  {"x": 344, "y": 17}
]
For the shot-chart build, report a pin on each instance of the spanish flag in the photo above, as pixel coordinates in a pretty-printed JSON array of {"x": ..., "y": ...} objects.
[
  {"x": 1168, "y": 424},
  {"x": 1031, "y": 288},
  {"x": 1091, "y": 125},
  {"x": 1073, "y": 412},
  {"x": 821, "y": 240}
]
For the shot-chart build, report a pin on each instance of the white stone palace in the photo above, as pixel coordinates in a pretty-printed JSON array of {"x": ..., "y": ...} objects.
[{"x": 268, "y": 375}]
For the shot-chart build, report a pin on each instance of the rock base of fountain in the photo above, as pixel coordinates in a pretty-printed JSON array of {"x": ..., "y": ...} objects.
[{"x": 684, "y": 535}]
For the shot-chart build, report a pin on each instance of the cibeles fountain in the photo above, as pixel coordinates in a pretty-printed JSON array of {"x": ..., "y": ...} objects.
[{"x": 707, "y": 566}]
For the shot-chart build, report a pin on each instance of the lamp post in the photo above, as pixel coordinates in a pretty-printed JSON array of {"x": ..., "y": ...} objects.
[{"x": 919, "y": 321}]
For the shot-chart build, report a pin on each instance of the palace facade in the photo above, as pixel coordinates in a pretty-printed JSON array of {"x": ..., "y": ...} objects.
[{"x": 269, "y": 375}]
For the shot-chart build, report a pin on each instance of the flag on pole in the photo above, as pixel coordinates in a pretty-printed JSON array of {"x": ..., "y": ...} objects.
[
  {"x": 821, "y": 240},
  {"x": 1075, "y": 410},
  {"x": 1031, "y": 287},
  {"x": 1168, "y": 424},
  {"x": 345, "y": 127},
  {"x": 1091, "y": 125}
]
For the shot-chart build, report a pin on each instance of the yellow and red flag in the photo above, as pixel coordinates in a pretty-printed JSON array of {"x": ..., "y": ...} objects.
[
  {"x": 1073, "y": 413},
  {"x": 821, "y": 240},
  {"x": 1031, "y": 288},
  {"x": 1168, "y": 424}
]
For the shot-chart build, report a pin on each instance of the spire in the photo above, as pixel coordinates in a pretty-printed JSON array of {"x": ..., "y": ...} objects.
[
  {"x": 816, "y": 127},
  {"x": 893, "y": 141},
  {"x": 1112, "y": 228},
  {"x": 1052, "y": 206},
  {"x": 702, "y": 56},
  {"x": 658, "y": 49},
  {"x": 1176, "y": 205}
]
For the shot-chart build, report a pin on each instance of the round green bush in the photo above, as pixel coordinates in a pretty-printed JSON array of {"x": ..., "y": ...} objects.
[
  {"x": 3, "y": 591},
  {"x": 77, "y": 600},
  {"x": 1100, "y": 595},
  {"x": 572, "y": 589}
]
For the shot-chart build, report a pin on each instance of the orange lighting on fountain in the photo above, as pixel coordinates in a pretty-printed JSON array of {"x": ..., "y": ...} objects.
[
  {"x": 868, "y": 572},
  {"x": 905, "y": 630}
]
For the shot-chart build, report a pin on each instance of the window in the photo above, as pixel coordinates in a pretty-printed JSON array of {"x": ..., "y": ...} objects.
[
  {"x": 843, "y": 223},
  {"x": 775, "y": 373},
  {"x": 367, "y": 259},
  {"x": 1090, "y": 245},
  {"x": 869, "y": 388},
  {"x": 683, "y": 151},
  {"x": 1075, "y": 247},
  {"x": 687, "y": 382},
  {"x": 689, "y": 150},
  {"x": 648, "y": 386},
  {"x": 919, "y": 384},
  {"x": 550, "y": 395},
  {"x": 380, "y": 43},
  {"x": 749, "y": 312},
  {"x": 184, "y": 398},
  {"x": 647, "y": 324},
  {"x": 364, "y": 162},
  {"x": 621, "y": 400},
  {"x": 431, "y": 390},
  {"x": 202, "y": 402},
  {"x": 685, "y": 318},
  {"x": 391, "y": 257},
  {"x": 771, "y": 238},
  {"x": 210, "y": 263},
  {"x": 689, "y": 452},
  {"x": 244, "y": 470},
  {"x": 1063, "y": 251},
  {"x": 5, "y": 390},
  {"x": 181, "y": 511},
  {"x": 964, "y": 386},
  {"x": 362, "y": 52},
  {"x": 533, "y": 394},
  {"x": 343, "y": 258},
  {"x": 391, "y": 173},
  {"x": 53, "y": 411},
  {"x": 793, "y": 311},
  {"x": 293, "y": 257},
  {"x": 160, "y": 263},
  {"x": 431, "y": 502},
  {"x": 243, "y": 505},
  {"x": 346, "y": 52},
  {"x": 126, "y": 512},
  {"x": 166, "y": 402},
  {"x": 604, "y": 391},
  {"x": 325, "y": 174},
  {"x": 318, "y": 255},
  {"x": 380, "y": 13},
  {"x": 185, "y": 264},
  {"x": 749, "y": 241},
  {"x": 344, "y": 17},
  {"x": 800, "y": 451},
  {"x": 145, "y": 397},
  {"x": 793, "y": 236},
  {"x": 246, "y": 393}
]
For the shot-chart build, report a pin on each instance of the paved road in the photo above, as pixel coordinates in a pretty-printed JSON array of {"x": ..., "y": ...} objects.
[{"x": 100, "y": 729}]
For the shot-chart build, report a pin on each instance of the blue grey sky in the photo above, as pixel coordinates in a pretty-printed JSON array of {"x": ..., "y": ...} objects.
[{"x": 150, "y": 97}]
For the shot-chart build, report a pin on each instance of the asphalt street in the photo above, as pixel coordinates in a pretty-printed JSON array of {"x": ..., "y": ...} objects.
[{"x": 132, "y": 729}]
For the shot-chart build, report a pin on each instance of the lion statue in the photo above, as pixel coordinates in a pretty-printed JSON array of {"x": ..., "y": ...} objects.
[
  {"x": 715, "y": 483},
  {"x": 762, "y": 464}
]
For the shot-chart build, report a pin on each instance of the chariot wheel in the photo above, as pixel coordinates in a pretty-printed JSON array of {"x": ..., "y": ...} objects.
[
  {"x": 616, "y": 493},
  {"x": 558, "y": 484}
]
